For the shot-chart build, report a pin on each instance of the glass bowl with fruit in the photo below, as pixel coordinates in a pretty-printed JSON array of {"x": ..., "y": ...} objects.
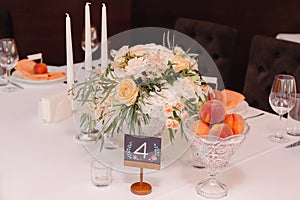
[{"x": 216, "y": 136}]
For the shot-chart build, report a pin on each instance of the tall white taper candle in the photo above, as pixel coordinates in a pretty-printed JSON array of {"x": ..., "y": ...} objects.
[
  {"x": 104, "y": 56},
  {"x": 88, "y": 47},
  {"x": 69, "y": 52}
]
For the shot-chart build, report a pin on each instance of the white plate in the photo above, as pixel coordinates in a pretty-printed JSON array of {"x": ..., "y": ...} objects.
[
  {"x": 18, "y": 76},
  {"x": 239, "y": 109}
]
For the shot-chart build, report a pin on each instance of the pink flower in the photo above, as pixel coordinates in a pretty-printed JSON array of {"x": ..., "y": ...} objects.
[
  {"x": 172, "y": 123},
  {"x": 179, "y": 106},
  {"x": 169, "y": 123},
  {"x": 168, "y": 110},
  {"x": 175, "y": 125},
  {"x": 154, "y": 158},
  {"x": 184, "y": 115}
]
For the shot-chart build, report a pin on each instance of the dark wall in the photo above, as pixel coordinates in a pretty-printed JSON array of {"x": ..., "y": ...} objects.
[
  {"x": 39, "y": 26},
  {"x": 249, "y": 17}
]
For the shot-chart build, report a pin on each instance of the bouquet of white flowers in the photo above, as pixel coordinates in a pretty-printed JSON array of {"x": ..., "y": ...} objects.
[{"x": 142, "y": 83}]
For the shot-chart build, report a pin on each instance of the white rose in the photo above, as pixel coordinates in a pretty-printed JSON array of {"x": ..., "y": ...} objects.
[
  {"x": 120, "y": 53},
  {"x": 134, "y": 63}
]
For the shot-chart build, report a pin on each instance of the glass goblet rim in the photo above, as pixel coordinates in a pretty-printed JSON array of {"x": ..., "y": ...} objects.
[
  {"x": 212, "y": 138},
  {"x": 285, "y": 76}
]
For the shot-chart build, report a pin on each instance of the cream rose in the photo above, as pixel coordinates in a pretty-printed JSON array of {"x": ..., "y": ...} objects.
[
  {"x": 127, "y": 92},
  {"x": 180, "y": 63}
]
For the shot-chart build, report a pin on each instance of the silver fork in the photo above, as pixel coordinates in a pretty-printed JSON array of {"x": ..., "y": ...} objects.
[{"x": 17, "y": 85}]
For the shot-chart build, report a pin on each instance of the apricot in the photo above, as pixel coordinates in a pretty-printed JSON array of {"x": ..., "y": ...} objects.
[
  {"x": 220, "y": 130},
  {"x": 212, "y": 112},
  {"x": 236, "y": 122},
  {"x": 40, "y": 68},
  {"x": 200, "y": 128}
]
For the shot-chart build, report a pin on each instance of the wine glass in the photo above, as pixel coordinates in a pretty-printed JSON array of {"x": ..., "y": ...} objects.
[
  {"x": 95, "y": 43},
  {"x": 94, "y": 39},
  {"x": 281, "y": 101},
  {"x": 3, "y": 80},
  {"x": 8, "y": 59}
]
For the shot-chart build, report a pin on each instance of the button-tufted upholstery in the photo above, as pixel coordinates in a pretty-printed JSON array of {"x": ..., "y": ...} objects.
[
  {"x": 268, "y": 57},
  {"x": 5, "y": 24},
  {"x": 218, "y": 40}
]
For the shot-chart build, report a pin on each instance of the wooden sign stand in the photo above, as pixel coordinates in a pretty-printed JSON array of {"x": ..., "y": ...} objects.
[
  {"x": 142, "y": 152},
  {"x": 141, "y": 188}
]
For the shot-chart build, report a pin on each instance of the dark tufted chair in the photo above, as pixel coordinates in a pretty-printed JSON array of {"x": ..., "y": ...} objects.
[
  {"x": 5, "y": 24},
  {"x": 218, "y": 40},
  {"x": 268, "y": 57}
]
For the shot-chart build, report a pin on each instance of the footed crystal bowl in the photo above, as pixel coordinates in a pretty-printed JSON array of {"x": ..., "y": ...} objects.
[{"x": 215, "y": 153}]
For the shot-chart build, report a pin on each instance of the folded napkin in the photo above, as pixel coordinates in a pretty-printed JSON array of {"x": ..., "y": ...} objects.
[
  {"x": 292, "y": 37},
  {"x": 25, "y": 67},
  {"x": 55, "y": 108},
  {"x": 233, "y": 99}
]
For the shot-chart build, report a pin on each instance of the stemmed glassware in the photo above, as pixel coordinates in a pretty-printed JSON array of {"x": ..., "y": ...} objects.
[
  {"x": 95, "y": 43},
  {"x": 8, "y": 59},
  {"x": 215, "y": 153},
  {"x": 281, "y": 101}
]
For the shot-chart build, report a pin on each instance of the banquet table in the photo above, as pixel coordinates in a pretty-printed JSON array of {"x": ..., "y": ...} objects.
[{"x": 45, "y": 160}]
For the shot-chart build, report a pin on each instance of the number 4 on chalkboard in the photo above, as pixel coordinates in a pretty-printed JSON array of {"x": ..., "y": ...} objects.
[
  {"x": 143, "y": 152},
  {"x": 137, "y": 151}
]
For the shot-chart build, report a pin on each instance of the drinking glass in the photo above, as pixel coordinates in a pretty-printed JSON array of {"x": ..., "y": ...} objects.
[
  {"x": 3, "y": 80},
  {"x": 94, "y": 39},
  {"x": 293, "y": 119},
  {"x": 281, "y": 101},
  {"x": 8, "y": 59},
  {"x": 101, "y": 173}
]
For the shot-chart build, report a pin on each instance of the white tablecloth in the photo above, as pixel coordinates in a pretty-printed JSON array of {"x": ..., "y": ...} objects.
[{"x": 44, "y": 161}]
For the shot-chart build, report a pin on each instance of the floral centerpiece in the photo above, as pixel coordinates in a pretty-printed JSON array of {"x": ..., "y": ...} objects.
[{"x": 143, "y": 83}]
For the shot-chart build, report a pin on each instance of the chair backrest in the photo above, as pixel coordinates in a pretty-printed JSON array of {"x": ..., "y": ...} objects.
[
  {"x": 5, "y": 24},
  {"x": 269, "y": 56},
  {"x": 218, "y": 40}
]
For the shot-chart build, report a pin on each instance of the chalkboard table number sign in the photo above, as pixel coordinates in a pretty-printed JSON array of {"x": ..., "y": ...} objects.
[{"x": 142, "y": 152}]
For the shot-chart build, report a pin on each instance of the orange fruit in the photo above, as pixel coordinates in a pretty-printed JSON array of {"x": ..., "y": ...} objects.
[
  {"x": 200, "y": 128},
  {"x": 40, "y": 68},
  {"x": 236, "y": 122},
  {"x": 212, "y": 112},
  {"x": 220, "y": 130}
]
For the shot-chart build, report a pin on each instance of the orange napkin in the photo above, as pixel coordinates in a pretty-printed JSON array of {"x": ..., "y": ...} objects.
[
  {"x": 233, "y": 99},
  {"x": 26, "y": 66}
]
